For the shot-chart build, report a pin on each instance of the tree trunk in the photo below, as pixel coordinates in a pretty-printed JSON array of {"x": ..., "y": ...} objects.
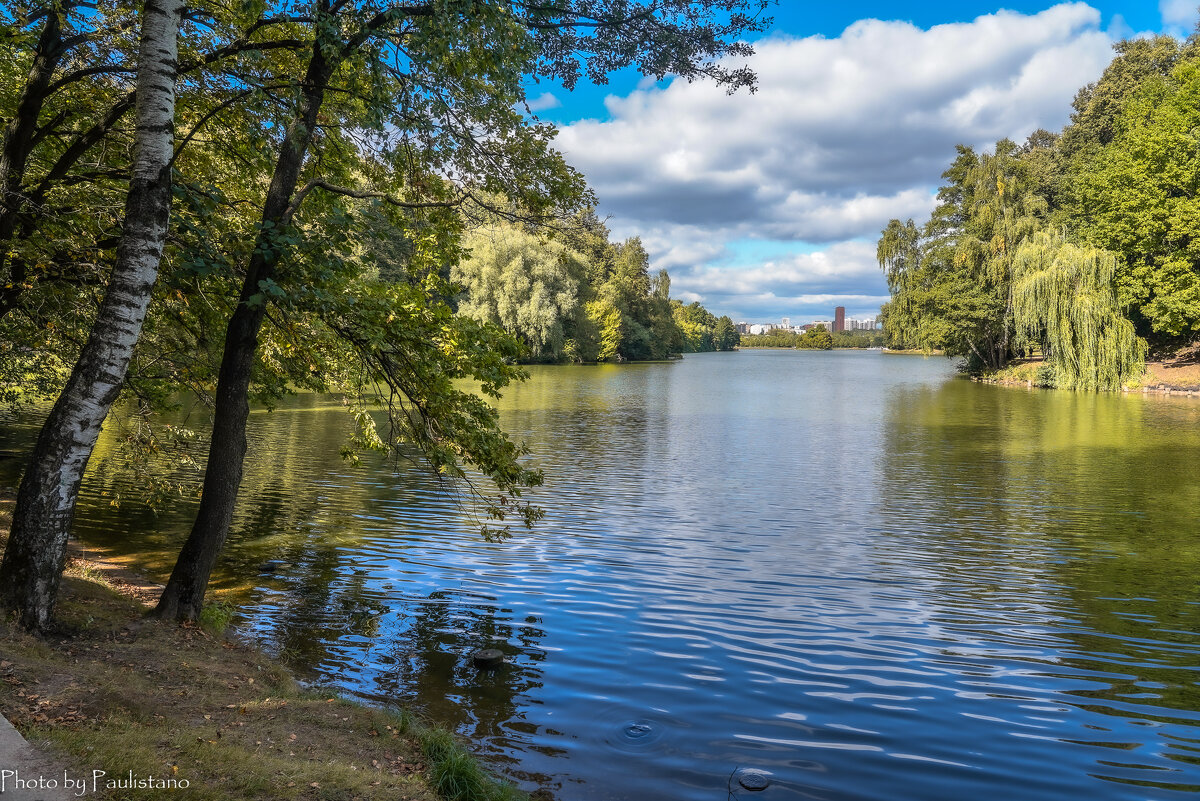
[
  {"x": 18, "y": 142},
  {"x": 33, "y": 560},
  {"x": 183, "y": 597}
]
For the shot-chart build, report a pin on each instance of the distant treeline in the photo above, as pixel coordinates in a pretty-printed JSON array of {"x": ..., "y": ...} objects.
[
  {"x": 1084, "y": 244},
  {"x": 580, "y": 297},
  {"x": 816, "y": 338}
]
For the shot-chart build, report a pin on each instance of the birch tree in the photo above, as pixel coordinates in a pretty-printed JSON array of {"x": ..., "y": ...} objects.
[{"x": 33, "y": 560}]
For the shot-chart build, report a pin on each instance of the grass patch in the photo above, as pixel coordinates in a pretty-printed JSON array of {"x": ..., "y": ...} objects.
[
  {"x": 1020, "y": 372},
  {"x": 216, "y": 616},
  {"x": 454, "y": 774}
]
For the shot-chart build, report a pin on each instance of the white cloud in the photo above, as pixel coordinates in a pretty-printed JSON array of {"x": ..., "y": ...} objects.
[
  {"x": 864, "y": 117},
  {"x": 845, "y": 274},
  {"x": 1178, "y": 13},
  {"x": 543, "y": 102},
  {"x": 843, "y": 134}
]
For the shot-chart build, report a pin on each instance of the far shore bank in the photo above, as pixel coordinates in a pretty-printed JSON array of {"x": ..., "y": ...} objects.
[
  {"x": 114, "y": 691},
  {"x": 912, "y": 352}
]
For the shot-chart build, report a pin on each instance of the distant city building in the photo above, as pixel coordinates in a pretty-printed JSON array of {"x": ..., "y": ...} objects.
[
  {"x": 839, "y": 319},
  {"x": 743, "y": 328},
  {"x": 787, "y": 322}
]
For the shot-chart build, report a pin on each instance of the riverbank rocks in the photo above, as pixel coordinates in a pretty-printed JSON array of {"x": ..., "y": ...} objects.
[
  {"x": 753, "y": 780},
  {"x": 488, "y": 658}
]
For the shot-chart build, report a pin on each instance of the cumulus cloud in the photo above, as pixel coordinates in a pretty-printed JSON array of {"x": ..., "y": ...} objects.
[
  {"x": 845, "y": 274},
  {"x": 1179, "y": 14},
  {"x": 543, "y": 102},
  {"x": 843, "y": 133}
]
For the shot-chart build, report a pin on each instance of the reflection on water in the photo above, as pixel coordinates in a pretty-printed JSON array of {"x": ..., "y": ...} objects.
[{"x": 857, "y": 572}]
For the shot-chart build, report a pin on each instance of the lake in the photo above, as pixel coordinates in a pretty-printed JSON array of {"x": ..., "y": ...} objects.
[{"x": 858, "y": 572}]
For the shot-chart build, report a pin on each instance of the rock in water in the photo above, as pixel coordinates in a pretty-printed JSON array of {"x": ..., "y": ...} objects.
[
  {"x": 488, "y": 658},
  {"x": 754, "y": 779}
]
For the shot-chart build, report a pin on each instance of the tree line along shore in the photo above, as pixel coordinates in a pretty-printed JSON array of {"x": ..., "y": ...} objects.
[{"x": 1081, "y": 246}]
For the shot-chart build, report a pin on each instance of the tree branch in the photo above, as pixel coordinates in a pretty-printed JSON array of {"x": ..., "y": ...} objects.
[{"x": 363, "y": 194}]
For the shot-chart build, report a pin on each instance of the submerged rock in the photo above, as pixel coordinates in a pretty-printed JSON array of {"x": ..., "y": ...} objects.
[
  {"x": 754, "y": 779},
  {"x": 488, "y": 658}
]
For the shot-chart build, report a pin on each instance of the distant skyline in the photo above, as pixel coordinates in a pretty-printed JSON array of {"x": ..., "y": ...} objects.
[{"x": 768, "y": 205}]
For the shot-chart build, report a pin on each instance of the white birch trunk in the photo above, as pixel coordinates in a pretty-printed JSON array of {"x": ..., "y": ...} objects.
[{"x": 34, "y": 558}]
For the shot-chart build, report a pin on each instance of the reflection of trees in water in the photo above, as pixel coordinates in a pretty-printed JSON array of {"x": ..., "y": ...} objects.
[
  {"x": 319, "y": 605},
  {"x": 1076, "y": 507},
  {"x": 426, "y": 663},
  {"x": 417, "y": 653}
]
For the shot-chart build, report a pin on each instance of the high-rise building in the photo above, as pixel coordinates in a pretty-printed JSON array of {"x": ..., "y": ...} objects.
[{"x": 839, "y": 319}]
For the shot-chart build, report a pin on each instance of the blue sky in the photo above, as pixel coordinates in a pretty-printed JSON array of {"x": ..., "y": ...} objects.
[{"x": 766, "y": 206}]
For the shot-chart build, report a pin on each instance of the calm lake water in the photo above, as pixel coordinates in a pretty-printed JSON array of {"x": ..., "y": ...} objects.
[{"x": 869, "y": 577}]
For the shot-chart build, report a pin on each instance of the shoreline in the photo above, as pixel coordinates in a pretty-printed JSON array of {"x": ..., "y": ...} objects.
[
  {"x": 1160, "y": 378},
  {"x": 115, "y": 691}
]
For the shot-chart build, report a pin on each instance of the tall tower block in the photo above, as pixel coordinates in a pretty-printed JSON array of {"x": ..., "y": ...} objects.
[{"x": 839, "y": 319}]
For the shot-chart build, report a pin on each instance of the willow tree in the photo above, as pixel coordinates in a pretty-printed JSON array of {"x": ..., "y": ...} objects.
[
  {"x": 1004, "y": 211},
  {"x": 1063, "y": 296},
  {"x": 527, "y": 286},
  {"x": 898, "y": 252}
]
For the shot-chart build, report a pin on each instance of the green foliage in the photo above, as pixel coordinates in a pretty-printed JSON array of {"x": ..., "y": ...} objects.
[
  {"x": 217, "y": 615},
  {"x": 815, "y": 338},
  {"x": 1099, "y": 107},
  {"x": 700, "y": 331},
  {"x": 580, "y": 298},
  {"x": 725, "y": 334},
  {"x": 1140, "y": 196},
  {"x": 859, "y": 339},
  {"x": 1047, "y": 376},
  {"x": 607, "y": 319},
  {"x": 774, "y": 339},
  {"x": 951, "y": 280},
  {"x": 421, "y": 120},
  {"x": 526, "y": 286},
  {"x": 1064, "y": 296},
  {"x": 960, "y": 286}
]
